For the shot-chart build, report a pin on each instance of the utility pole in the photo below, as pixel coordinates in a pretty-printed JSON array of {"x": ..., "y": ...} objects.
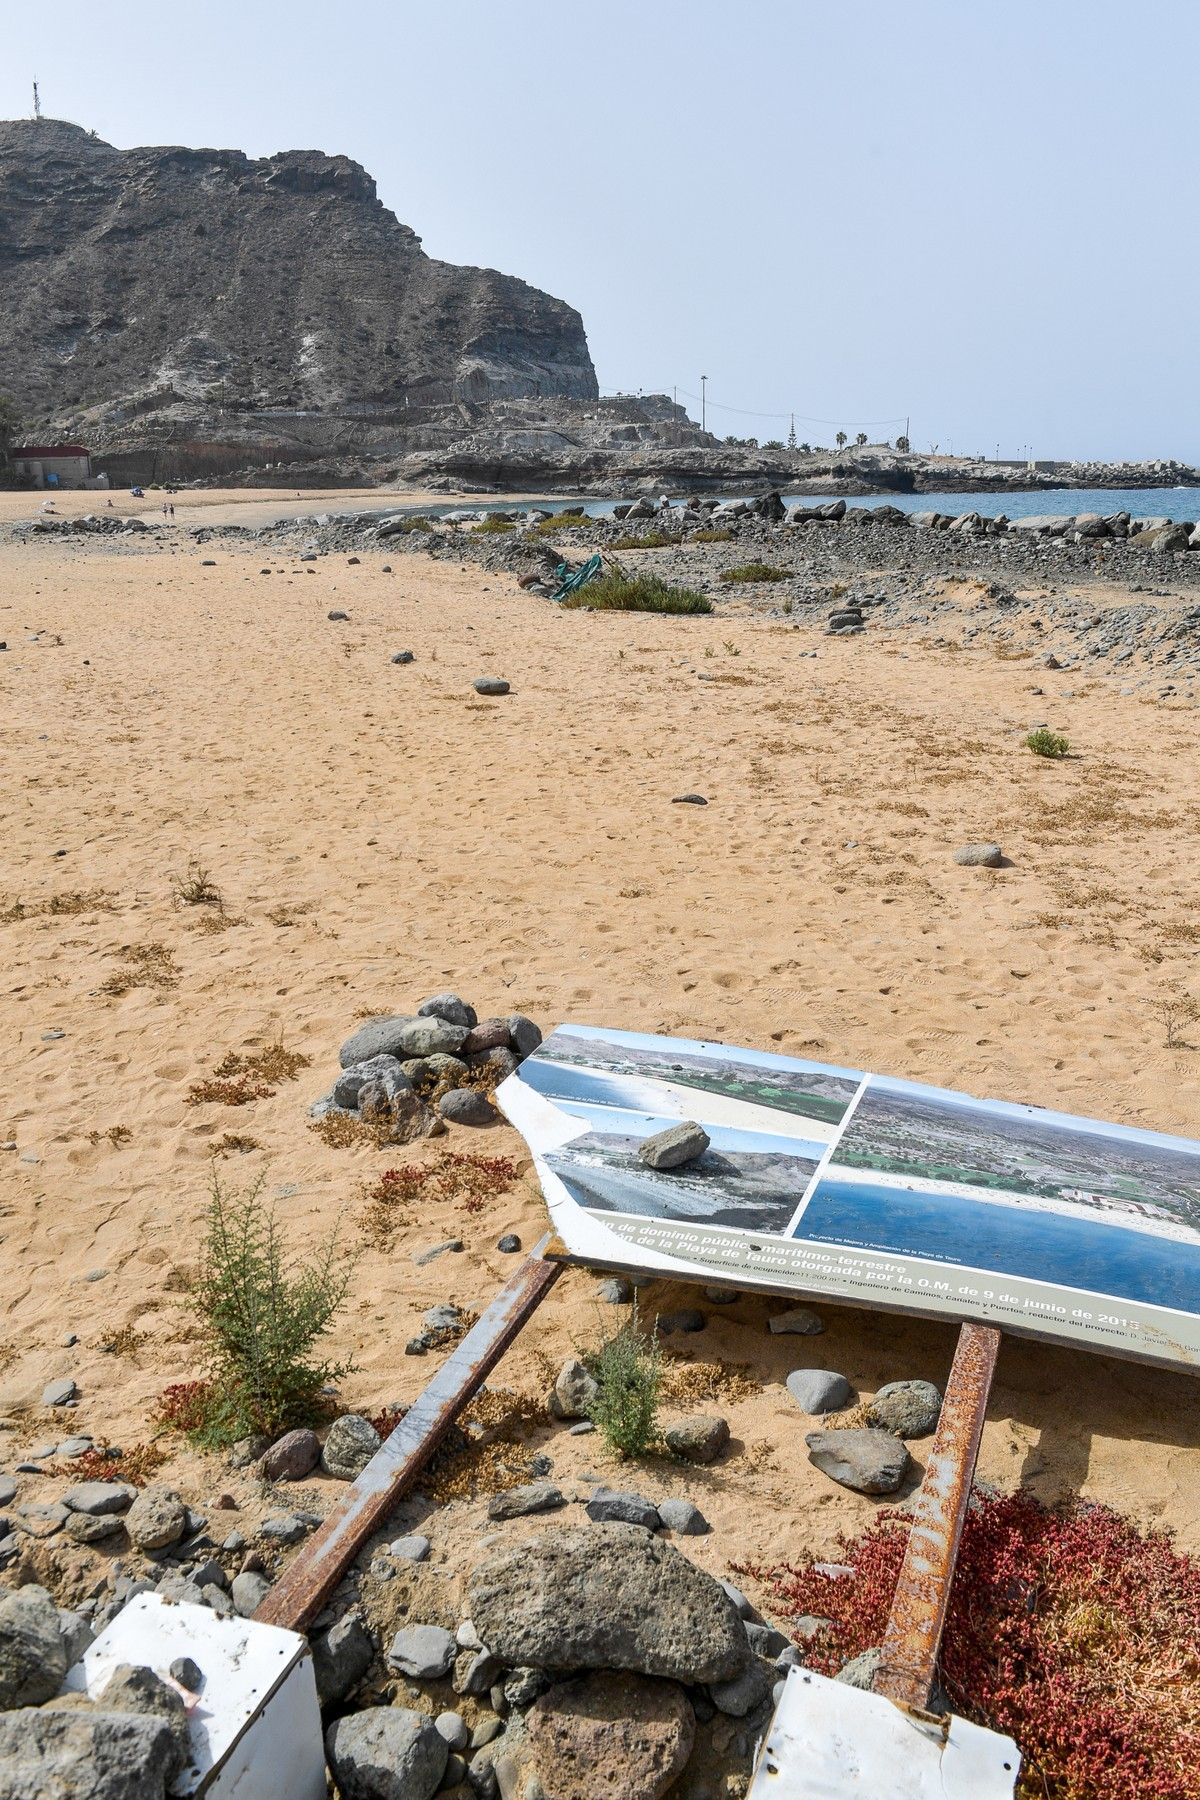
[
  {"x": 37, "y": 102},
  {"x": 704, "y": 403}
]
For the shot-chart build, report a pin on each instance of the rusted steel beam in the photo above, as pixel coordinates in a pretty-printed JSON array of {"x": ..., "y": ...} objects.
[
  {"x": 316, "y": 1570},
  {"x": 918, "y": 1616}
]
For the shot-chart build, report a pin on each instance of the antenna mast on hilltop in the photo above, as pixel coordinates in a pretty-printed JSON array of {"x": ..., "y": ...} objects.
[{"x": 37, "y": 102}]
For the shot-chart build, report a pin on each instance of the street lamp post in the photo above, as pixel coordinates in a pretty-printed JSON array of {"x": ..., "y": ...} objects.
[{"x": 703, "y": 403}]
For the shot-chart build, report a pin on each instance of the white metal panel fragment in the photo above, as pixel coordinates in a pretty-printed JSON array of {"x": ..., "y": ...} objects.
[
  {"x": 255, "y": 1726},
  {"x": 829, "y": 1741}
]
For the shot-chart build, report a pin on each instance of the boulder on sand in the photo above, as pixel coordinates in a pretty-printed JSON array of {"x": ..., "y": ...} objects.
[
  {"x": 600, "y": 1735},
  {"x": 605, "y": 1596},
  {"x": 386, "y": 1753},
  {"x": 867, "y": 1460},
  {"x": 33, "y": 1661}
]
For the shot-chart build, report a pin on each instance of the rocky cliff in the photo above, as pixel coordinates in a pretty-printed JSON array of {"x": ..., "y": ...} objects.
[{"x": 192, "y": 286}]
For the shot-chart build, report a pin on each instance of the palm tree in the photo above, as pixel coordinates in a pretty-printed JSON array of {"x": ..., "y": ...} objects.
[
  {"x": 840, "y": 439},
  {"x": 861, "y": 439}
]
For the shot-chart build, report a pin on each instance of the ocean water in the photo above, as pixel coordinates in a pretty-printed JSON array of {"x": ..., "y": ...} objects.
[
  {"x": 1169, "y": 503},
  {"x": 1010, "y": 1240}
]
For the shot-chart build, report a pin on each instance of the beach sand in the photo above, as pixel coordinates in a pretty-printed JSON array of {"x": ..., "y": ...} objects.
[{"x": 380, "y": 833}]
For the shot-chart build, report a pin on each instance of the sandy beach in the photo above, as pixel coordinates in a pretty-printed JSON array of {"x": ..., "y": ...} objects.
[{"x": 380, "y": 833}]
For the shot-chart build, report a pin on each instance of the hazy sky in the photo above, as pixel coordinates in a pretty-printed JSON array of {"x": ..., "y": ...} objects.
[{"x": 979, "y": 215}]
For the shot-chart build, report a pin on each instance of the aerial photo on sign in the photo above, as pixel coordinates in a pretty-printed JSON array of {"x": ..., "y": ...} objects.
[{"x": 883, "y": 1192}]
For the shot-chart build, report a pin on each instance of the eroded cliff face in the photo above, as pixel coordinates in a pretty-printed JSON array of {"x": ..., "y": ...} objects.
[{"x": 136, "y": 283}]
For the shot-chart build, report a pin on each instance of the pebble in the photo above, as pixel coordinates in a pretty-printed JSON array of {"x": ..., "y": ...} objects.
[
  {"x": 766, "y": 1641},
  {"x": 421, "y": 1257},
  {"x": 688, "y": 800},
  {"x": 491, "y": 685},
  {"x": 100, "y": 1497},
  {"x": 518, "y": 1502},
  {"x": 687, "y": 1321},
  {"x": 698, "y": 1440},
  {"x": 626, "y": 1509},
  {"x": 467, "y": 1106},
  {"x": 869, "y": 1461},
  {"x": 74, "y": 1446},
  {"x": 8, "y": 1489},
  {"x": 509, "y": 1244},
  {"x": 338, "y": 615},
  {"x": 284, "y": 1528},
  {"x": 800, "y": 1319},
  {"x": 424, "y": 1652},
  {"x": 52, "y": 1037},
  {"x": 615, "y": 1291},
  {"x": 582, "y": 1429},
  {"x": 979, "y": 856},
  {"x": 60, "y": 1392},
  {"x": 188, "y": 1673},
  {"x": 249, "y": 1590},
  {"x": 684, "y": 1519},
  {"x": 818, "y": 1390},
  {"x": 291, "y": 1457},
  {"x": 909, "y": 1408},
  {"x": 413, "y": 1548},
  {"x": 721, "y": 1296},
  {"x": 454, "y": 1729},
  {"x": 403, "y": 656}
]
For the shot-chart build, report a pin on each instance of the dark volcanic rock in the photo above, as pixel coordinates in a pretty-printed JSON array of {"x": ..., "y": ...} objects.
[{"x": 608, "y": 1597}]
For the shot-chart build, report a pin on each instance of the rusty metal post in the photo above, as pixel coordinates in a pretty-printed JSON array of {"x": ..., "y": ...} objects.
[
  {"x": 316, "y": 1570},
  {"x": 918, "y": 1616}
]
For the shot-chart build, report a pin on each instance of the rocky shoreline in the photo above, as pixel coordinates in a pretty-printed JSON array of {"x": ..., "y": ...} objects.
[{"x": 1084, "y": 593}]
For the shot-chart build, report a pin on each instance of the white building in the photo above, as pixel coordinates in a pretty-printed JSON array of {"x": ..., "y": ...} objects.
[{"x": 53, "y": 465}]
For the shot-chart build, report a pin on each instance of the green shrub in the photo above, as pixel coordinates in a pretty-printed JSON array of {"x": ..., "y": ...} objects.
[
  {"x": 1047, "y": 743},
  {"x": 651, "y": 540},
  {"x": 494, "y": 524},
  {"x": 417, "y": 523},
  {"x": 637, "y": 593},
  {"x": 570, "y": 520},
  {"x": 627, "y": 1369},
  {"x": 716, "y": 534},
  {"x": 260, "y": 1313},
  {"x": 756, "y": 571}
]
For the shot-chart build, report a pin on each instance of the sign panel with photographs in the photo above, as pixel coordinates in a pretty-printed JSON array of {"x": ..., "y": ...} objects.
[{"x": 861, "y": 1188}]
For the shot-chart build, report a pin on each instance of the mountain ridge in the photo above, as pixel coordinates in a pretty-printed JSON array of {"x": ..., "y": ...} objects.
[{"x": 170, "y": 281}]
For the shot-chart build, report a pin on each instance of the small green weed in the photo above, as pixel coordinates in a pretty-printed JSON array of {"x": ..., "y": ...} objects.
[
  {"x": 637, "y": 593},
  {"x": 1048, "y": 743},
  {"x": 755, "y": 571},
  {"x": 570, "y": 520},
  {"x": 627, "y": 1368},
  {"x": 261, "y": 1313},
  {"x": 650, "y": 540}
]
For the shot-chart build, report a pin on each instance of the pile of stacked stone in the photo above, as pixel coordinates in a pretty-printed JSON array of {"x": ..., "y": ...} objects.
[
  {"x": 390, "y": 1063},
  {"x": 592, "y": 1657}
]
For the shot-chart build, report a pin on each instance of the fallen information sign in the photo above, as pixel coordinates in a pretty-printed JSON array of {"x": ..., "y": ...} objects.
[{"x": 833, "y": 1183}]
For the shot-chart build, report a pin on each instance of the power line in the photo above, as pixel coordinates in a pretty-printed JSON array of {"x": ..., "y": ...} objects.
[{"x": 753, "y": 412}]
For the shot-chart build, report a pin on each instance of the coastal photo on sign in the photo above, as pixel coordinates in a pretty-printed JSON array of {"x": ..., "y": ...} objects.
[{"x": 900, "y": 1195}]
